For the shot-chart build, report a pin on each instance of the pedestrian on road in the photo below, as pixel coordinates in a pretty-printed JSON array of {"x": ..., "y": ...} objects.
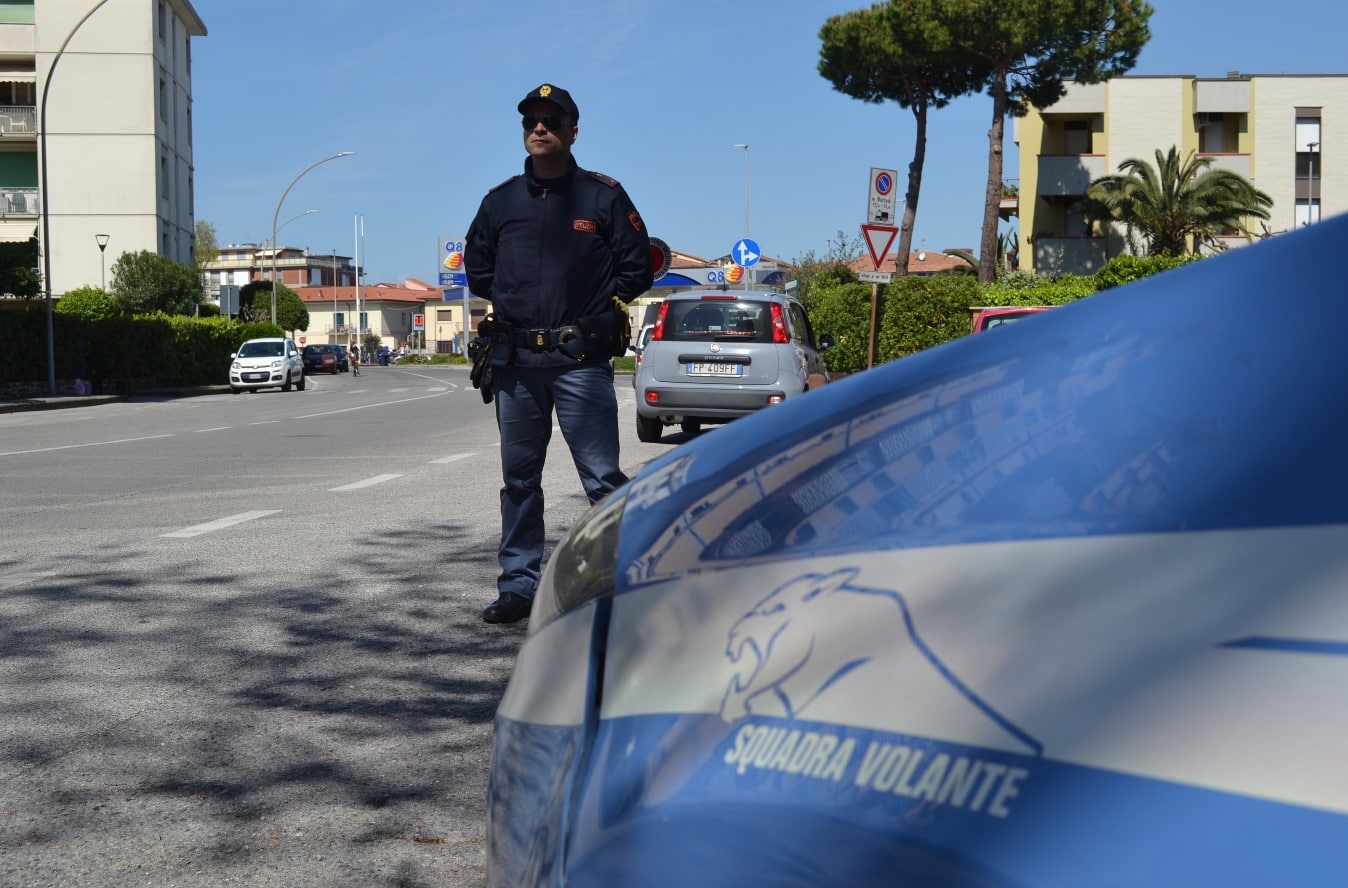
[
  {"x": 558, "y": 252},
  {"x": 355, "y": 360}
]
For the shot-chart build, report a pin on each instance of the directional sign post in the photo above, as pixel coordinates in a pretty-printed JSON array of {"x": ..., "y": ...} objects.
[
  {"x": 745, "y": 254},
  {"x": 878, "y": 240},
  {"x": 880, "y": 208}
]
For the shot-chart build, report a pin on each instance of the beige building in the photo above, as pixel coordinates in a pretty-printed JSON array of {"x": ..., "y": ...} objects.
[
  {"x": 119, "y": 159},
  {"x": 1275, "y": 130}
]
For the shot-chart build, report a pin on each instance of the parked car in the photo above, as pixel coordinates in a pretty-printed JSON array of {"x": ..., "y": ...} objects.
[
  {"x": 343, "y": 359},
  {"x": 983, "y": 317},
  {"x": 1060, "y": 606},
  {"x": 718, "y": 355},
  {"x": 322, "y": 359},
  {"x": 639, "y": 343},
  {"x": 264, "y": 363}
]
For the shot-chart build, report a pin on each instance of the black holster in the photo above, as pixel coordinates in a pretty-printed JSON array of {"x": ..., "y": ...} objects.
[{"x": 607, "y": 334}]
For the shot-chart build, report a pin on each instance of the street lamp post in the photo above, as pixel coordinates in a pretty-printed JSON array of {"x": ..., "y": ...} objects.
[
  {"x": 746, "y": 204},
  {"x": 276, "y": 215},
  {"x": 746, "y": 188},
  {"x": 102, "y": 240},
  {"x": 1310, "y": 186},
  {"x": 46, "y": 197}
]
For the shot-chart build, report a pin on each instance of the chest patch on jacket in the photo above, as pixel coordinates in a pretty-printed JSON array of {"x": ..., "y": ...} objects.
[{"x": 589, "y": 226}]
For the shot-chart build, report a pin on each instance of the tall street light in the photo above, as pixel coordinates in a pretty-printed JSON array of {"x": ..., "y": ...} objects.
[
  {"x": 746, "y": 187},
  {"x": 276, "y": 215},
  {"x": 102, "y": 240},
  {"x": 46, "y": 198}
]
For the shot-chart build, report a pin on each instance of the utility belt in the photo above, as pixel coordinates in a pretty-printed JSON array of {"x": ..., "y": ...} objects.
[
  {"x": 603, "y": 335},
  {"x": 567, "y": 338}
]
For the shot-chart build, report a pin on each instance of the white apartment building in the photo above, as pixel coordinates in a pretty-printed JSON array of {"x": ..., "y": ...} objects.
[
  {"x": 118, "y": 130},
  {"x": 1282, "y": 132}
]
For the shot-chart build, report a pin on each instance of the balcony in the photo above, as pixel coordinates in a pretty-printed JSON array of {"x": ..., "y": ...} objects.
[
  {"x": 1068, "y": 255},
  {"x": 1068, "y": 175},
  {"x": 1231, "y": 162},
  {"x": 17, "y": 120},
  {"x": 19, "y": 202},
  {"x": 1009, "y": 208}
]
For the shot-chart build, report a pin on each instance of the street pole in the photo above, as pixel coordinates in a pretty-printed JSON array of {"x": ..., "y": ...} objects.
[
  {"x": 45, "y": 198},
  {"x": 276, "y": 215},
  {"x": 746, "y": 203},
  {"x": 102, "y": 241}
]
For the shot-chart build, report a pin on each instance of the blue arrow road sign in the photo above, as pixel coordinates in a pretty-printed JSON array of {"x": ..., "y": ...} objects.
[{"x": 745, "y": 252}]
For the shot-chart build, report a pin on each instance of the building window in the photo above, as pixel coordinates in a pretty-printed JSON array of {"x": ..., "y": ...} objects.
[
  {"x": 163, "y": 177},
  {"x": 1076, "y": 137},
  {"x": 163, "y": 100},
  {"x": 163, "y": 20},
  {"x": 339, "y": 319}
]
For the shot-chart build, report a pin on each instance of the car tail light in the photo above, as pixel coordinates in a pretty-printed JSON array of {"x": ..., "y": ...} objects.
[
  {"x": 652, "y": 397},
  {"x": 779, "y": 333},
  {"x": 659, "y": 331},
  {"x": 776, "y": 399}
]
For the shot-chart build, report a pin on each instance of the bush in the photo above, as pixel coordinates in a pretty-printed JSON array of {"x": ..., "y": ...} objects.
[
  {"x": 89, "y": 304},
  {"x": 1125, "y": 269},
  {"x": 842, "y": 310},
  {"x": 920, "y": 312}
]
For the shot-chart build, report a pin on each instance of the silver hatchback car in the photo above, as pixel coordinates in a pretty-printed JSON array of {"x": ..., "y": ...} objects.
[{"x": 718, "y": 355}]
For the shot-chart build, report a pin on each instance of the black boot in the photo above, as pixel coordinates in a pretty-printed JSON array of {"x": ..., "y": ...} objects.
[{"x": 508, "y": 608}]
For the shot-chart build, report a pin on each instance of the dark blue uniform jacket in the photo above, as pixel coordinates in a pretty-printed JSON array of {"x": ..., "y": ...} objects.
[{"x": 546, "y": 253}]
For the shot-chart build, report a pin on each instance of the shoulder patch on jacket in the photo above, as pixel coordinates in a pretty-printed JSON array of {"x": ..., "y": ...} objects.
[
  {"x": 503, "y": 184},
  {"x": 600, "y": 177}
]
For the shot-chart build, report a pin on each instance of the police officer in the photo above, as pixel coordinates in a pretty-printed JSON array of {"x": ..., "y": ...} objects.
[{"x": 552, "y": 250}]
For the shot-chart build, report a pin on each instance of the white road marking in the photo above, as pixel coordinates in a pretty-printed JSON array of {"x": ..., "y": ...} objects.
[
  {"x": 91, "y": 444},
  {"x": 368, "y": 482},
  {"x": 396, "y": 391},
  {"x": 220, "y": 524},
  {"x": 216, "y": 429},
  {"x": 265, "y": 422},
  {"x": 365, "y": 407},
  {"x": 449, "y": 459}
]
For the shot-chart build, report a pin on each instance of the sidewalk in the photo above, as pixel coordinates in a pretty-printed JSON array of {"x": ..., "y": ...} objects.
[{"x": 61, "y": 402}]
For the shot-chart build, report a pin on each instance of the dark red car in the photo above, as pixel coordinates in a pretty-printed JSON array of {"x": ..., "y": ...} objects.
[{"x": 322, "y": 359}]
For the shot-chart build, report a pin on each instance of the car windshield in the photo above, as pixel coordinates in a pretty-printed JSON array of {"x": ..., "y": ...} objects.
[
  {"x": 260, "y": 350},
  {"x": 744, "y": 320}
]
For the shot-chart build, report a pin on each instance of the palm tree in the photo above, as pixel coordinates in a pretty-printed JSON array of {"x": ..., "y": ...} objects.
[{"x": 1176, "y": 207}]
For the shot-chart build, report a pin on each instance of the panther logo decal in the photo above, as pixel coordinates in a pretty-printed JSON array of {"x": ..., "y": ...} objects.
[{"x": 802, "y": 641}]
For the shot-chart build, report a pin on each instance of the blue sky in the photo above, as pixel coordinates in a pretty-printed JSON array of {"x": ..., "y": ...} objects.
[{"x": 425, "y": 92}]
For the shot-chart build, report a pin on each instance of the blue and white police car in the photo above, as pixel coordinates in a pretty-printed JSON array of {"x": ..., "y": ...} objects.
[{"x": 1063, "y": 606}]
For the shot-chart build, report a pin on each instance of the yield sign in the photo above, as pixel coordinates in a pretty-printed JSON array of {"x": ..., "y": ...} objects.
[{"x": 879, "y": 238}]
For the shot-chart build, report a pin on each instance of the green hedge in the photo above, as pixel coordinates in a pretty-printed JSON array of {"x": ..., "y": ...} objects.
[{"x": 170, "y": 350}]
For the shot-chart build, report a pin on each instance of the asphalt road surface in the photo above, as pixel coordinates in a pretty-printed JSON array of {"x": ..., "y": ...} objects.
[{"x": 239, "y": 634}]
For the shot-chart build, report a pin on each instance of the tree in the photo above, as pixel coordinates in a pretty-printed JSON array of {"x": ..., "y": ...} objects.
[
  {"x": 1031, "y": 47},
  {"x": 255, "y": 304},
  {"x": 19, "y": 276},
  {"x": 899, "y": 51},
  {"x": 205, "y": 246},
  {"x": 812, "y": 273},
  {"x": 145, "y": 282},
  {"x": 1178, "y": 206}
]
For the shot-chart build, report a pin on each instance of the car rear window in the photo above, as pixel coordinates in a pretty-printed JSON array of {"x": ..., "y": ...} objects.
[{"x": 725, "y": 321}]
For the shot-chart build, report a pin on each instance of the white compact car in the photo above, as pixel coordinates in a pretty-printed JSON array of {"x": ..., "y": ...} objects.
[{"x": 263, "y": 363}]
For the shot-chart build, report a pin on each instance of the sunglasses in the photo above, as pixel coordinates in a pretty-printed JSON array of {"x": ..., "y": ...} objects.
[{"x": 552, "y": 122}]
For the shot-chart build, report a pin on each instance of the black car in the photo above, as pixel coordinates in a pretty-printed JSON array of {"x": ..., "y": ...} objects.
[{"x": 322, "y": 359}]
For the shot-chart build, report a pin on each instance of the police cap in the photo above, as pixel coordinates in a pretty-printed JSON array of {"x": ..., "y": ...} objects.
[{"x": 554, "y": 94}]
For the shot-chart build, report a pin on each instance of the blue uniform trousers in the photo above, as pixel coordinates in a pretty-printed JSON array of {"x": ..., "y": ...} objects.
[{"x": 587, "y": 413}]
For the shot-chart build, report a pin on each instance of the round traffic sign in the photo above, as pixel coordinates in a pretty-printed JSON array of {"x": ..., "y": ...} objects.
[
  {"x": 883, "y": 183},
  {"x": 745, "y": 252}
]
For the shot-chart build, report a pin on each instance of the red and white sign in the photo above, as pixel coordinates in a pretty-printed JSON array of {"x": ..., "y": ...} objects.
[
  {"x": 879, "y": 238},
  {"x": 302, "y": 340}
]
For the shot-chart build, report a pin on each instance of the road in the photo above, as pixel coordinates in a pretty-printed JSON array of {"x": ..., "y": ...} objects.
[{"x": 239, "y": 634}]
